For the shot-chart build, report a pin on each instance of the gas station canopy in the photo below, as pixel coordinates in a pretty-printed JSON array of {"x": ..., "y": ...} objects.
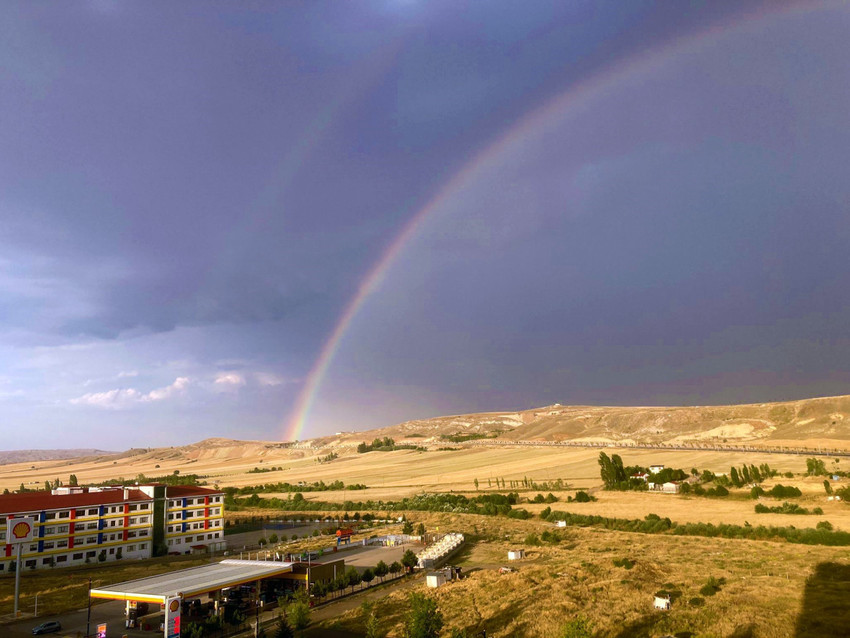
[{"x": 194, "y": 581}]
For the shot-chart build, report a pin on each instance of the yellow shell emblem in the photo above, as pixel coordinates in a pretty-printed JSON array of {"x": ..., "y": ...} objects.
[{"x": 21, "y": 530}]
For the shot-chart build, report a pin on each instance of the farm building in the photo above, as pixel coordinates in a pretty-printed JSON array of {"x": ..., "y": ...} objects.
[
  {"x": 561, "y": 523},
  {"x": 435, "y": 579},
  {"x": 516, "y": 554},
  {"x": 655, "y": 469},
  {"x": 671, "y": 487}
]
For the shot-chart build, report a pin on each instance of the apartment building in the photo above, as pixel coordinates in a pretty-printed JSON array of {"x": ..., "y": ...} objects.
[
  {"x": 76, "y": 525},
  {"x": 194, "y": 520}
]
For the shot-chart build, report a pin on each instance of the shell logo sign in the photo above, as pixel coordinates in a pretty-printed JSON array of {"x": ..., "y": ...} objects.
[{"x": 21, "y": 530}]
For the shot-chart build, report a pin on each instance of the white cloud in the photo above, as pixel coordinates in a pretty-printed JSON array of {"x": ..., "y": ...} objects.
[
  {"x": 128, "y": 373},
  {"x": 121, "y": 398},
  {"x": 229, "y": 379},
  {"x": 178, "y": 387},
  {"x": 111, "y": 399},
  {"x": 269, "y": 379}
]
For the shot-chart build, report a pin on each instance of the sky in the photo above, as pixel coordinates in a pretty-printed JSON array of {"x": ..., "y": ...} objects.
[{"x": 278, "y": 220}]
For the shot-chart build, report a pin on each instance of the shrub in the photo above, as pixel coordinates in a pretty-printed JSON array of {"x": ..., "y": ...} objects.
[
  {"x": 625, "y": 563},
  {"x": 825, "y": 525},
  {"x": 584, "y": 497},
  {"x": 696, "y": 601},
  {"x": 532, "y": 539},
  {"x": 578, "y": 627},
  {"x": 712, "y": 586}
]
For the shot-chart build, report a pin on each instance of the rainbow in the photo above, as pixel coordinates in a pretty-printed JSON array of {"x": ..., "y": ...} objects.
[{"x": 571, "y": 100}]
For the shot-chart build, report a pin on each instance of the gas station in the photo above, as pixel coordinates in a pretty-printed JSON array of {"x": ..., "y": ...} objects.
[{"x": 204, "y": 590}]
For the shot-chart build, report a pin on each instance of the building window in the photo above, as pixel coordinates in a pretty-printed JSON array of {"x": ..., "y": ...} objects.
[
  {"x": 81, "y": 512},
  {"x": 90, "y": 554},
  {"x": 143, "y": 546},
  {"x": 78, "y": 556},
  {"x": 62, "y": 559},
  {"x": 30, "y": 563},
  {"x": 93, "y": 512},
  {"x": 131, "y": 548},
  {"x": 62, "y": 529},
  {"x": 170, "y": 542},
  {"x": 49, "y": 530},
  {"x": 111, "y": 550},
  {"x": 65, "y": 514}
]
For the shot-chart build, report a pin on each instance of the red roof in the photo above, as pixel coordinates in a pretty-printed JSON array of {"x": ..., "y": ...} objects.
[{"x": 38, "y": 501}]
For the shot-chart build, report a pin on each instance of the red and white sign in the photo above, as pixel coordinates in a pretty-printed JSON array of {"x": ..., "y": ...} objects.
[{"x": 20, "y": 530}]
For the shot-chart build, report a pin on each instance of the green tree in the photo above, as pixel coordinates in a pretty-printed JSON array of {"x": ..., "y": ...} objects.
[
  {"x": 283, "y": 630},
  {"x": 407, "y": 528},
  {"x": 381, "y": 570},
  {"x": 352, "y": 578},
  {"x": 262, "y": 542},
  {"x": 273, "y": 539},
  {"x": 827, "y": 486},
  {"x": 72, "y": 480},
  {"x": 733, "y": 475},
  {"x": 420, "y": 529},
  {"x": 423, "y": 620},
  {"x": 299, "y": 614},
  {"x": 47, "y": 486},
  {"x": 395, "y": 567},
  {"x": 367, "y": 576},
  {"x": 372, "y": 628},
  {"x": 409, "y": 560},
  {"x": 476, "y": 484}
]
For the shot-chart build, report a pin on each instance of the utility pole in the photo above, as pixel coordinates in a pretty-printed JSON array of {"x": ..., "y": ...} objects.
[
  {"x": 17, "y": 577},
  {"x": 88, "y": 614}
]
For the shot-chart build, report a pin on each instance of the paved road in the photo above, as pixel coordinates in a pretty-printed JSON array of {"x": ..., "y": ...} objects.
[{"x": 74, "y": 623}]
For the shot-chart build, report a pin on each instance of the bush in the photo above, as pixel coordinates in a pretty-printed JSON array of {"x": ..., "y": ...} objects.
[
  {"x": 584, "y": 497},
  {"x": 696, "y": 601},
  {"x": 825, "y": 525},
  {"x": 578, "y": 627},
  {"x": 625, "y": 563},
  {"x": 712, "y": 586},
  {"x": 532, "y": 539}
]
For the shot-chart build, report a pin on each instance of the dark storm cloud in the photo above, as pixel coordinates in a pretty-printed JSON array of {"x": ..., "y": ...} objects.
[{"x": 183, "y": 185}]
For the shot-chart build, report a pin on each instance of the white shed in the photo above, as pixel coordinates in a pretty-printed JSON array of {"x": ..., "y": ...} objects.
[
  {"x": 516, "y": 554},
  {"x": 562, "y": 523},
  {"x": 662, "y": 602},
  {"x": 435, "y": 579}
]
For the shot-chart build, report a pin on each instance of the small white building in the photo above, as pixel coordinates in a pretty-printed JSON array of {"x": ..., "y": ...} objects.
[
  {"x": 655, "y": 469},
  {"x": 516, "y": 554},
  {"x": 435, "y": 579},
  {"x": 561, "y": 523},
  {"x": 662, "y": 602},
  {"x": 671, "y": 487}
]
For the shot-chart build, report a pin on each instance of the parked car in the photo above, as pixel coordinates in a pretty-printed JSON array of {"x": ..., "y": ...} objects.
[{"x": 47, "y": 627}]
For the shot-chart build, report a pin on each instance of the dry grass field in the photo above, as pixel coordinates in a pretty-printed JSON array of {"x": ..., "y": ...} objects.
[
  {"x": 763, "y": 595},
  {"x": 765, "y": 592},
  {"x": 400, "y": 473}
]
